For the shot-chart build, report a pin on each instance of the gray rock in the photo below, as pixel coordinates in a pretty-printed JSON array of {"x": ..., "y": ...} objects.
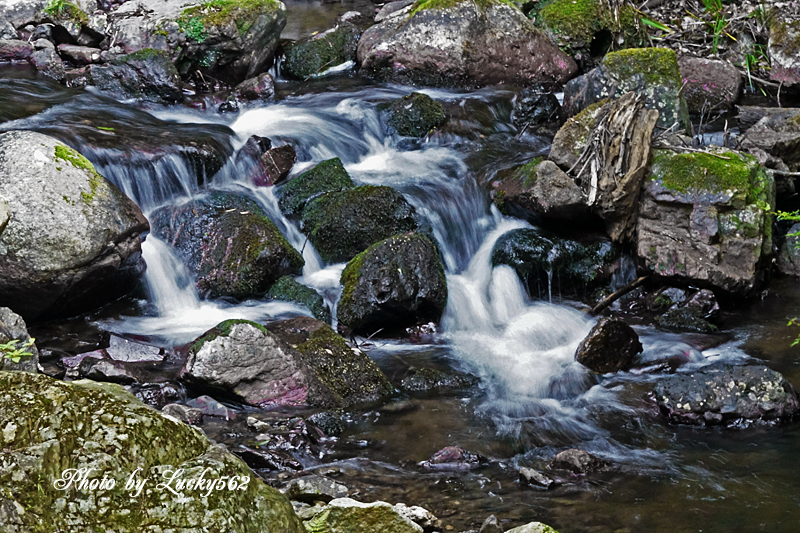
[
  {"x": 491, "y": 525},
  {"x": 419, "y": 515},
  {"x": 15, "y": 51},
  {"x": 289, "y": 290},
  {"x": 711, "y": 84},
  {"x": 208, "y": 406},
  {"x": 313, "y": 55},
  {"x": 261, "y": 87},
  {"x": 610, "y": 346},
  {"x": 128, "y": 351},
  {"x": 79, "y": 55},
  {"x": 7, "y": 30},
  {"x": 102, "y": 427},
  {"x": 105, "y": 370},
  {"x": 452, "y": 458},
  {"x": 777, "y": 134},
  {"x": 12, "y": 327},
  {"x": 531, "y": 477},
  {"x": 503, "y": 45},
  {"x": 429, "y": 379},
  {"x": 782, "y": 49},
  {"x": 184, "y": 413},
  {"x": 245, "y": 360},
  {"x": 396, "y": 283},
  {"x": 344, "y": 514},
  {"x": 47, "y": 61},
  {"x": 73, "y": 241},
  {"x": 534, "y": 106},
  {"x": 226, "y": 41},
  {"x": 533, "y": 527},
  {"x": 652, "y": 72},
  {"x": 146, "y": 74},
  {"x": 5, "y": 215},
  {"x": 578, "y": 462},
  {"x": 725, "y": 394},
  {"x": 21, "y": 12},
  {"x": 392, "y": 8},
  {"x": 707, "y": 219},
  {"x": 788, "y": 260},
  {"x": 315, "y": 488},
  {"x": 274, "y": 166}
]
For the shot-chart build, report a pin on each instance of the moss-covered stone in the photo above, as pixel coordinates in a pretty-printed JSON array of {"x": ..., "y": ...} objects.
[
  {"x": 686, "y": 319},
  {"x": 65, "y": 11},
  {"x": 570, "y": 140},
  {"x": 289, "y": 290},
  {"x": 51, "y": 427},
  {"x": 229, "y": 243},
  {"x": 221, "y": 13},
  {"x": 327, "y": 176},
  {"x": 393, "y": 284},
  {"x": 415, "y": 115},
  {"x": 342, "y": 224},
  {"x": 67, "y": 154},
  {"x": 310, "y": 56},
  {"x": 574, "y": 24},
  {"x": 421, "y": 5}
]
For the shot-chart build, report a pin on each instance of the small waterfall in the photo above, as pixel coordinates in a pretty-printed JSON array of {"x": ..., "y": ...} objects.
[{"x": 171, "y": 286}]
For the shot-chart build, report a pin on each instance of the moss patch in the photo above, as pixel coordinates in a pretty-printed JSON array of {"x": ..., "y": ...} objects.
[
  {"x": 65, "y": 153},
  {"x": 527, "y": 172},
  {"x": 327, "y": 176},
  {"x": 313, "y": 55},
  {"x": 63, "y": 10},
  {"x": 656, "y": 65},
  {"x": 145, "y": 54},
  {"x": 289, "y": 290},
  {"x": 415, "y": 115},
  {"x": 421, "y": 5},
  {"x": 576, "y": 22},
  {"x": 702, "y": 172},
  {"x": 196, "y": 20},
  {"x": 786, "y": 36}
]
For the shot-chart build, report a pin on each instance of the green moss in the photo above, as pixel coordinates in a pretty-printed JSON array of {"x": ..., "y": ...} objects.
[
  {"x": 64, "y": 10},
  {"x": 289, "y": 290},
  {"x": 702, "y": 172},
  {"x": 311, "y": 56},
  {"x": 145, "y": 54},
  {"x": 64, "y": 153},
  {"x": 196, "y": 20},
  {"x": 421, "y": 5},
  {"x": 786, "y": 35},
  {"x": 415, "y": 114},
  {"x": 351, "y": 274},
  {"x": 656, "y": 65},
  {"x": 577, "y": 21},
  {"x": 327, "y": 176},
  {"x": 527, "y": 173}
]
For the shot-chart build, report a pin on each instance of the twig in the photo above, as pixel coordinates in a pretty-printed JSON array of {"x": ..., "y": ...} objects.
[{"x": 616, "y": 295}]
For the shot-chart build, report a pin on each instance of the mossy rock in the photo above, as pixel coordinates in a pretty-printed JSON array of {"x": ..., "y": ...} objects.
[
  {"x": 686, "y": 319},
  {"x": 350, "y": 516},
  {"x": 289, "y": 290},
  {"x": 328, "y": 176},
  {"x": 51, "y": 427},
  {"x": 589, "y": 27},
  {"x": 146, "y": 74},
  {"x": 229, "y": 243},
  {"x": 313, "y": 55},
  {"x": 415, "y": 115},
  {"x": 570, "y": 140},
  {"x": 342, "y": 224},
  {"x": 394, "y": 284},
  {"x": 784, "y": 50},
  {"x": 550, "y": 265}
]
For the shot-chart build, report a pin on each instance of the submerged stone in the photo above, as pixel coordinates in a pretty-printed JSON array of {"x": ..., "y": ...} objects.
[
  {"x": 328, "y": 176},
  {"x": 414, "y": 115},
  {"x": 289, "y": 290},
  {"x": 313, "y": 55},
  {"x": 610, "y": 346}
]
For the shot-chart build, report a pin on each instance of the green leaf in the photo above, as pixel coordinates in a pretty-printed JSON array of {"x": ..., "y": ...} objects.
[{"x": 656, "y": 25}]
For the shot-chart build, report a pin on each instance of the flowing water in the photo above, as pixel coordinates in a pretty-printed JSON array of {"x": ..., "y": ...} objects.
[{"x": 532, "y": 399}]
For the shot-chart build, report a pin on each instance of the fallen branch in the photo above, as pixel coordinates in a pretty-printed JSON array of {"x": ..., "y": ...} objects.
[{"x": 610, "y": 299}]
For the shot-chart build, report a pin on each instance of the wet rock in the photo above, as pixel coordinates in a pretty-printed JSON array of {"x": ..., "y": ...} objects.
[
  {"x": 128, "y": 351},
  {"x": 274, "y": 166},
  {"x": 452, "y": 458},
  {"x": 327, "y": 176},
  {"x": 20, "y": 12},
  {"x": 578, "y": 462},
  {"x": 12, "y": 327},
  {"x": 74, "y": 361},
  {"x": 229, "y": 244},
  {"x": 414, "y": 115},
  {"x": 329, "y": 422},
  {"x": 315, "y": 54},
  {"x": 652, "y": 72},
  {"x": 533, "y": 527},
  {"x": 705, "y": 303},
  {"x": 504, "y": 47},
  {"x": 705, "y": 219},
  {"x": 289, "y": 290},
  {"x": 782, "y": 48},
  {"x": 420, "y": 516},
  {"x": 570, "y": 140},
  {"x": 666, "y": 298},
  {"x": 588, "y": 28},
  {"x": 534, "y": 106},
  {"x": 105, "y": 370},
  {"x": 549, "y": 265},
  {"x": 146, "y": 74},
  {"x": 271, "y": 459},
  {"x": 230, "y": 41},
  {"x": 208, "y": 406},
  {"x": 79, "y": 55},
  {"x": 228, "y": 106},
  {"x": 666, "y": 356},
  {"x": 256, "y": 366},
  {"x": 777, "y": 134},
  {"x": 252, "y": 150},
  {"x": 15, "y": 51},
  {"x": 710, "y": 86},
  {"x": 531, "y": 477},
  {"x": 261, "y": 87},
  {"x": 429, "y": 379},
  {"x": 84, "y": 421},
  {"x": 184, "y": 413},
  {"x": 724, "y": 394},
  {"x": 342, "y": 224},
  {"x": 47, "y": 61},
  {"x": 686, "y": 319},
  {"x": 157, "y": 395},
  {"x": 610, "y": 346},
  {"x": 789, "y": 258},
  {"x": 390, "y": 8},
  {"x": 396, "y": 283},
  {"x": 540, "y": 191},
  {"x": 344, "y": 514},
  {"x": 314, "y": 488},
  {"x": 87, "y": 248},
  {"x": 491, "y": 525}
]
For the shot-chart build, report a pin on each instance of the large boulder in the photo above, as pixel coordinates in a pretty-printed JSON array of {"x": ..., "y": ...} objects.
[
  {"x": 146, "y": 74},
  {"x": 25, "y": 357},
  {"x": 300, "y": 362},
  {"x": 229, "y": 244},
  {"x": 784, "y": 50},
  {"x": 136, "y": 466},
  {"x": 652, "y": 72},
  {"x": 227, "y": 39},
  {"x": 346, "y": 515},
  {"x": 393, "y": 284},
  {"x": 315, "y": 54},
  {"x": 778, "y": 134},
  {"x": 705, "y": 218},
  {"x": 327, "y": 176},
  {"x": 711, "y": 86},
  {"x": 724, "y": 394},
  {"x": 610, "y": 346},
  {"x": 342, "y": 224},
  {"x": 461, "y": 44},
  {"x": 73, "y": 242},
  {"x": 553, "y": 266}
]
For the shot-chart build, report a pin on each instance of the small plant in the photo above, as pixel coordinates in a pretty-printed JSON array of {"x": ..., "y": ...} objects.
[
  {"x": 756, "y": 59},
  {"x": 10, "y": 350},
  {"x": 718, "y": 22}
]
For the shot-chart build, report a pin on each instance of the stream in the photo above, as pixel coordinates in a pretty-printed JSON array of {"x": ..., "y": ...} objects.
[{"x": 531, "y": 398}]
